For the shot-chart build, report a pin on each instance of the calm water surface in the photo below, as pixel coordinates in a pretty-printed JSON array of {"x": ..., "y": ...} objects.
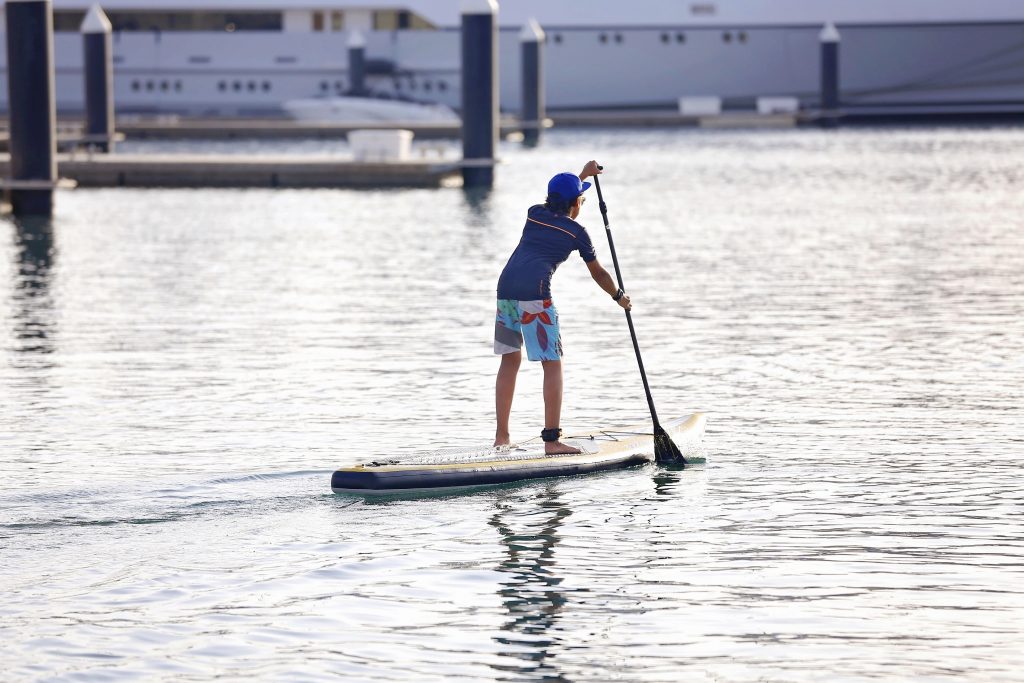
[{"x": 180, "y": 371}]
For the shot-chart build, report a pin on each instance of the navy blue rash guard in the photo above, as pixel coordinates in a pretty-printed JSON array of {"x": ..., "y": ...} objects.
[{"x": 548, "y": 239}]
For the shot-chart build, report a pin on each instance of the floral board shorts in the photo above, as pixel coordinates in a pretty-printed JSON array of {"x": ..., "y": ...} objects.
[{"x": 534, "y": 321}]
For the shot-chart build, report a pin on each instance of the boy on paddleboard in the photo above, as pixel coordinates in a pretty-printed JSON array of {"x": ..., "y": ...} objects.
[{"x": 525, "y": 309}]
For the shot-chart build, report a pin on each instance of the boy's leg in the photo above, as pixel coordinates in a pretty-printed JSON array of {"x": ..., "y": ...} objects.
[
  {"x": 504, "y": 390},
  {"x": 553, "y": 405},
  {"x": 508, "y": 342}
]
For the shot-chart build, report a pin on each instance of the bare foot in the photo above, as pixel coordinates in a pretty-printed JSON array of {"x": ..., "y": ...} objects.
[
  {"x": 559, "y": 448},
  {"x": 502, "y": 440}
]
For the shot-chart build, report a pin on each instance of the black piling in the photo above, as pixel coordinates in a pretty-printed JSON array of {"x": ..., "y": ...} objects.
[
  {"x": 479, "y": 91},
  {"x": 99, "y": 80},
  {"x": 829, "y": 39},
  {"x": 531, "y": 39},
  {"x": 33, "y": 113},
  {"x": 357, "y": 63}
]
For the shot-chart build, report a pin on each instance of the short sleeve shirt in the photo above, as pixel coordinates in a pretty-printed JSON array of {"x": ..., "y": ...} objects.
[{"x": 548, "y": 240}]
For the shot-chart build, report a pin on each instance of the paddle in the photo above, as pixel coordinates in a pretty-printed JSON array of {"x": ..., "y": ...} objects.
[{"x": 665, "y": 450}]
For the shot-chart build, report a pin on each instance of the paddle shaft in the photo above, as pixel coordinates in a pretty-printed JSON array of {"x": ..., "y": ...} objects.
[{"x": 629, "y": 318}]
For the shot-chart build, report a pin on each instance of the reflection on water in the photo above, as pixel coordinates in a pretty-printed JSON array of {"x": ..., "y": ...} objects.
[
  {"x": 478, "y": 200},
  {"x": 33, "y": 316},
  {"x": 531, "y": 591},
  {"x": 665, "y": 481}
]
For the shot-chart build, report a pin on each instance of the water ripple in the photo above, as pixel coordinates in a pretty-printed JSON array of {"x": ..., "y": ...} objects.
[{"x": 180, "y": 375}]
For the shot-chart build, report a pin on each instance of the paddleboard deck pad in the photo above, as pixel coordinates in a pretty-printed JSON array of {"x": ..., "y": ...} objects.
[{"x": 460, "y": 468}]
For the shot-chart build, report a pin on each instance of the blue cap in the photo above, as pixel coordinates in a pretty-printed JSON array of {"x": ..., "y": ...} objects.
[{"x": 568, "y": 186}]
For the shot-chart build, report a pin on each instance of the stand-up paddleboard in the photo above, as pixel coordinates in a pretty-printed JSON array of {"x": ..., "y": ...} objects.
[{"x": 604, "y": 450}]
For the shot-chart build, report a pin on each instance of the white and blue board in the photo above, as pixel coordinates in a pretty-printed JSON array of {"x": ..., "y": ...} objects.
[{"x": 462, "y": 468}]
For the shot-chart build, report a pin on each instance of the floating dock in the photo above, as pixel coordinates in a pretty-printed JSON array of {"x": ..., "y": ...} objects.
[
  {"x": 646, "y": 118},
  {"x": 193, "y": 170},
  {"x": 740, "y": 119},
  {"x": 173, "y": 128},
  {"x": 70, "y": 135},
  {"x": 263, "y": 129}
]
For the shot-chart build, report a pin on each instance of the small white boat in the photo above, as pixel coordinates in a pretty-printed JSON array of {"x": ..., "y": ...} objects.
[{"x": 368, "y": 109}]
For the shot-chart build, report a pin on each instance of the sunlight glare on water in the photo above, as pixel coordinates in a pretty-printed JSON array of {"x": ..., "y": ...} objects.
[{"x": 181, "y": 370}]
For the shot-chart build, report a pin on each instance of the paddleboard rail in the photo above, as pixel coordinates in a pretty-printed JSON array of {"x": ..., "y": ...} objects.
[{"x": 602, "y": 450}]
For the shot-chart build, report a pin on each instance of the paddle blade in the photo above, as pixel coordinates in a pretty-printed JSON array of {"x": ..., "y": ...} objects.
[{"x": 666, "y": 452}]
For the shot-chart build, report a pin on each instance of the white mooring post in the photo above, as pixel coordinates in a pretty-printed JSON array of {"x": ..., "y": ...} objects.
[
  {"x": 99, "y": 80},
  {"x": 532, "y": 113},
  {"x": 357, "y": 63},
  {"x": 829, "y": 39}
]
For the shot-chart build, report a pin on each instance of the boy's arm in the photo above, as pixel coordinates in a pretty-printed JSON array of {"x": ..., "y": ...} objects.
[
  {"x": 604, "y": 280},
  {"x": 590, "y": 169}
]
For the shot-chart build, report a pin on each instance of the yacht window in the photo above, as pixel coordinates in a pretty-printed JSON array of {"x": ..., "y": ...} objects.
[
  {"x": 399, "y": 20},
  {"x": 680, "y": 37},
  {"x": 177, "y": 86},
  {"x": 266, "y": 86},
  {"x": 68, "y": 20},
  {"x": 236, "y": 86},
  {"x": 419, "y": 23},
  {"x": 558, "y": 37},
  {"x": 252, "y": 86},
  {"x": 428, "y": 86},
  {"x": 726, "y": 37},
  {"x": 222, "y": 86},
  {"x": 164, "y": 85},
  {"x": 136, "y": 85},
  {"x": 442, "y": 85},
  {"x": 603, "y": 37},
  {"x": 154, "y": 20},
  {"x": 385, "y": 20},
  {"x": 618, "y": 37},
  {"x": 149, "y": 85},
  {"x": 665, "y": 37},
  {"x": 318, "y": 21},
  {"x": 337, "y": 21},
  {"x": 743, "y": 36},
  {"x": 324, "y": 85}
]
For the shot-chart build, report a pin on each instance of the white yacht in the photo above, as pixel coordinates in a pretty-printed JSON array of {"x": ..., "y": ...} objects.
[{"x": 249, "y": 57}]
